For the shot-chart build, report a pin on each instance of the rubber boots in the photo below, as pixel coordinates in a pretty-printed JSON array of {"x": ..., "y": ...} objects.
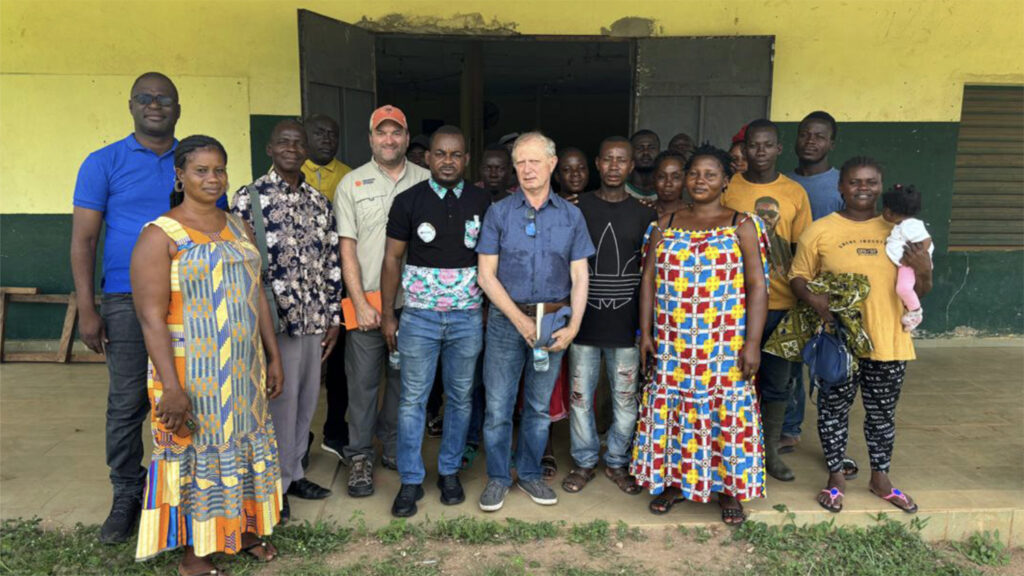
[{"x": 772, "y": 417}]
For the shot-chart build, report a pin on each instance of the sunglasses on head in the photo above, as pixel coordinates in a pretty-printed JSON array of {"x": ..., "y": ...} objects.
[
  {"x": 531, "y": 222},
  {"x": 147, "y": 99}
]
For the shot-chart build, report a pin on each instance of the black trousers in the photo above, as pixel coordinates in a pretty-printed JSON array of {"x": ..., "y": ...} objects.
[
  {"x": 335, "y": 427},
  {"x": 880, "y": 384}
]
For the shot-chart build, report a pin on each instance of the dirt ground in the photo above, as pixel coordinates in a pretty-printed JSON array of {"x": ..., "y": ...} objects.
[{"x": 663, "y": 551}]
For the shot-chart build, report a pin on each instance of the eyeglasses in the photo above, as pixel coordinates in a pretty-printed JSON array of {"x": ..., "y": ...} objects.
[
  {"x": 147, "y": 99},
  {"x": 531, "y": 222}
]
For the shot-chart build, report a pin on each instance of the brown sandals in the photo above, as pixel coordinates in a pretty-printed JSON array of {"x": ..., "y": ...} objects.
[
  {"x": 623, "y": 480},
  {"x": 577, "y": 479}
]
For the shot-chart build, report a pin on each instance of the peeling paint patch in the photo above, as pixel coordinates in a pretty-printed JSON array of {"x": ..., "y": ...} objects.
[
  {"x": 472, "y": 24},
  {"x": 630, "y": 27}
]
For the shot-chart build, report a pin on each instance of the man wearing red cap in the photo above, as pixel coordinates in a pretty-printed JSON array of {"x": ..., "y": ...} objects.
[{"x": 362, "y": 202}]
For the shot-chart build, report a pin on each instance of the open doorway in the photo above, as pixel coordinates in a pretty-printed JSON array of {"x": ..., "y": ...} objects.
[
  {"x": 576, "y": 89},
  {"x": 576, "y": 92}
]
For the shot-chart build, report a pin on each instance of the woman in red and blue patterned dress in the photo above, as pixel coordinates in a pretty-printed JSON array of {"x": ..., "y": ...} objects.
[{"x": 703, "y": 302}]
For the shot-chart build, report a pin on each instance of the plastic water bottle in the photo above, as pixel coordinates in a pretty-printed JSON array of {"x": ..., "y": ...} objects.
[
  {"x": 394, "y": 359},
  {"x": 540, "y": 360}
]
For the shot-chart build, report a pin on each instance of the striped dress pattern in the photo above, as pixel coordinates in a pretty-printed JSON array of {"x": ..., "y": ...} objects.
[
  {"x": 207, "y": 489},
  {"x": 699, "y": 426}
]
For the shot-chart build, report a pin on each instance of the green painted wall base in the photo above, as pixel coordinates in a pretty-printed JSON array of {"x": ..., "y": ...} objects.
[{"x": 976, "y": 293}]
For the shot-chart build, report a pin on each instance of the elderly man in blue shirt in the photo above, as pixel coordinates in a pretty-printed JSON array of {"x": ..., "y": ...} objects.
[{"x": 533, "y": 252}]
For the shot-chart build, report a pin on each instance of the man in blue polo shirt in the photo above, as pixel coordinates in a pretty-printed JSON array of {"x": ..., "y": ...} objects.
[
  {"x": 815, "y": 140},
  {"x": 436, "y": 225},
  {"x": 533, "y": 250},
  {"x": 123, "y": 185}
]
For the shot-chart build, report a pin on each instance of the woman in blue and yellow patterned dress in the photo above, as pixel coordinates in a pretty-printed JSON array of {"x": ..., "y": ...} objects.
[
  {"x": 703, "y": 303},
  {"x": 214, "y": 484}
]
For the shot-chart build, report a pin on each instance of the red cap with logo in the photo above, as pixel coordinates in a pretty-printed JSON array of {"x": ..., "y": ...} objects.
[{"x": 387, "y": 112}]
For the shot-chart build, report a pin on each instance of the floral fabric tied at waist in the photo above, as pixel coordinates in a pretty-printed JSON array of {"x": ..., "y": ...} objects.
[{"x": 846, "y": 295}]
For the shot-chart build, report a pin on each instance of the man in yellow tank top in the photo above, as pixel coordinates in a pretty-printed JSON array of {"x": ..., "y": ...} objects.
[{"x": 783, "y": 205}]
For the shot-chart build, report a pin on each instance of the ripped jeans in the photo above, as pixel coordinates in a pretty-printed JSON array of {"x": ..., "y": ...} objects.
[{"x": 623, "y": 368}]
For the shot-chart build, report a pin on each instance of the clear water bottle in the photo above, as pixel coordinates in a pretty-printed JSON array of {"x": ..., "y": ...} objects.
[
  {"x": 540, "y": 360},
  {"x": 394, "y": 359}
]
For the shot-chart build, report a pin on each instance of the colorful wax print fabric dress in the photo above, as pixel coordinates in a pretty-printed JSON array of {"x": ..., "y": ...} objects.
[
  {"x": 699, "y": 428},
  {"x": 207, "y": 489}
]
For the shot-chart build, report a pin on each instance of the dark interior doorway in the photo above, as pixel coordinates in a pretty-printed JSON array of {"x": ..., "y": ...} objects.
[
  {"x": 576, "y": 89},
  {"x": 576, "y": 92}
]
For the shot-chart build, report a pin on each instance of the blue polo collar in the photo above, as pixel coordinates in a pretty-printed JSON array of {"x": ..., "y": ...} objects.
[{"x": 134, "y": 145}]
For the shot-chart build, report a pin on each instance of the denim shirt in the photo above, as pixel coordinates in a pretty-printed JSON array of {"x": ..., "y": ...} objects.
[{"x": 535, "y": 268}]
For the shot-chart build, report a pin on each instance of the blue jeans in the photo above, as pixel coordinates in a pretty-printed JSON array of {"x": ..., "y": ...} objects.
[
  {"x": 776, "y": 374},
  {"x": 622, "y": 366},
  {"x": 505, "y": 356},
  {"x": 423, "y": 336},
  {"x": 127, "y": 397},
  {"x": 795, "y": 409}
]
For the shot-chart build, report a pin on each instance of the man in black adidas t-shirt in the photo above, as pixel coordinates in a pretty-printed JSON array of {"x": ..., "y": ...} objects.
[
  {"x": 436, "y": 224},
  {"x": 617, "y": 223}
]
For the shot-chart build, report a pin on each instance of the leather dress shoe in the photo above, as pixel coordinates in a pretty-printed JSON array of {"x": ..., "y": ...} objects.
[{"x": 303, "y": 488}]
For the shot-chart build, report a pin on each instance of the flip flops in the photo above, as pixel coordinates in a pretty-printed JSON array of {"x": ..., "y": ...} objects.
[
  {"x": 833, "y": 495},
  {"x": 894, "y": 496}
]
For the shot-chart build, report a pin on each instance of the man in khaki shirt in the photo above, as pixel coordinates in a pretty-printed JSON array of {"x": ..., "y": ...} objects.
[{"x": 361, "y": 206}]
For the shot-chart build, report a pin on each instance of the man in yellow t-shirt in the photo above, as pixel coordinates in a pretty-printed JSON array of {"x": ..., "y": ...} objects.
[
  {"x": 786, "y": 211},
  {"x": 322, "y": 170}
]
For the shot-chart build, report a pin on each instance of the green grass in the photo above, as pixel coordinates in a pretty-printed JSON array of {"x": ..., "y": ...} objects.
[
  {"x": 397, "y": 531},
  {"x": 888, "y": 548},
  {"x": 594, "y": 533},
  {"x": 984, "y": 549},
  {"x": 26, "y": 548},
  {"x": 623, "y": 532},
  {"x": 307, "y": 539},
  {"x": 471, "y": 530}
]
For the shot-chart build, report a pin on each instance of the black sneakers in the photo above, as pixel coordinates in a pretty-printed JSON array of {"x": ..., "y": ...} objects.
[
  {"x": 405, "y": 501},
  {"x": 120, "y": 524},
  {"x": 451, "y": 490}
]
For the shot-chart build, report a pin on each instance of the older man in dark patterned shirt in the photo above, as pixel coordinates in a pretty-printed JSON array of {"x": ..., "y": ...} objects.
[{"x": 305, "y": 272}]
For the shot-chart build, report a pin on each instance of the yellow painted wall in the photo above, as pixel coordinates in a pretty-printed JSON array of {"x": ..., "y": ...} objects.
[
  {"x": 870, "y": 60},
  {"x": 50, "y": 123}
]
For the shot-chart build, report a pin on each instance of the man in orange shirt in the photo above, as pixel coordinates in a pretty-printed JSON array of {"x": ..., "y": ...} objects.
[{"x": 783, "y": 205}]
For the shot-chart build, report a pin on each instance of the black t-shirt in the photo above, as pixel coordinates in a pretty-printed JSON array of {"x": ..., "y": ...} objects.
[
  {"x": 617, "y": 230},
  {"x": 440, "y": 233}
]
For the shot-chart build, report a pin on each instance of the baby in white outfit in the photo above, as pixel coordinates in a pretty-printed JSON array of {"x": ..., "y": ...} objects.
[{"x": 901, "y": 204}]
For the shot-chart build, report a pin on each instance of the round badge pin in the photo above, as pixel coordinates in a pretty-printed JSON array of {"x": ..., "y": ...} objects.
[{"x": 426, "y": 232}]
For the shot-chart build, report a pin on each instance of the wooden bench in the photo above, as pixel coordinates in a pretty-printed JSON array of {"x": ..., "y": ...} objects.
[{"x": 64, "y": 352}]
